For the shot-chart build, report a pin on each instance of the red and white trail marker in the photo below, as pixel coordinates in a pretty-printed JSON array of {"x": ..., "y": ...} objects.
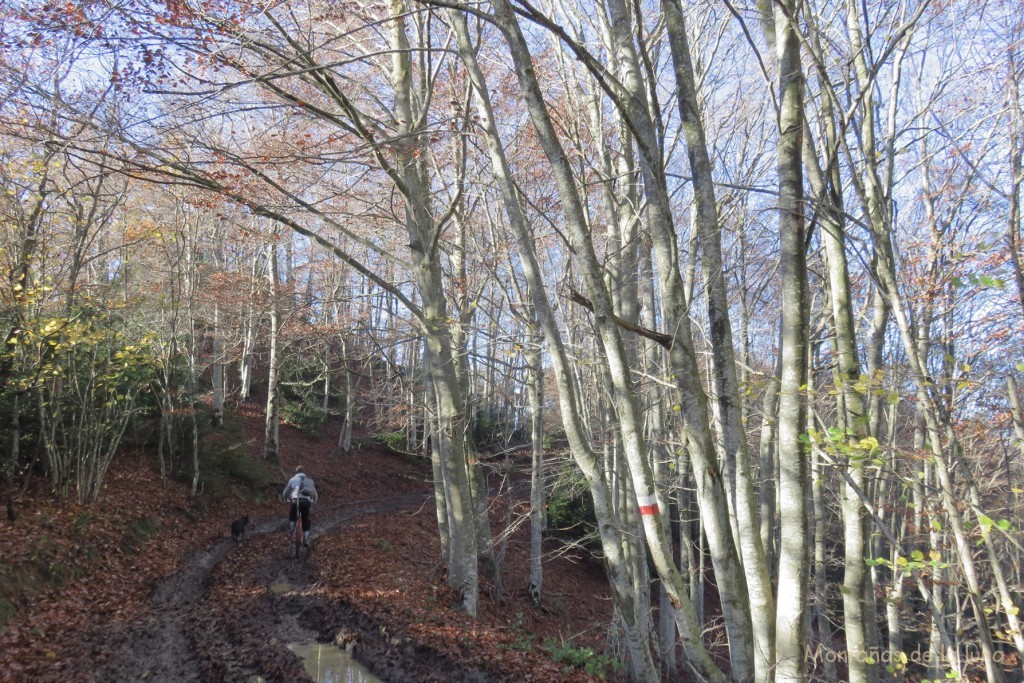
[{"x": 648, "y": 505}]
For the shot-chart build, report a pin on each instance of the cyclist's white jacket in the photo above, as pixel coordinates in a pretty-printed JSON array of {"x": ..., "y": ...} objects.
[{"x": 303, "y": 484}]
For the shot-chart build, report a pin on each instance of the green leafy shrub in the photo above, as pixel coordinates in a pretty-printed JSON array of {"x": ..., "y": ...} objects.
[
  {"x": 90, "y": 375},
  {"x": 523, "y": 638},
  {"x": 583, "y": 658},
  {"x": 227, "y": 466},
  {"x": 570, "y": 509},
  {"x": 230, "y": 472},
  {"x": 304, "y": 416},
  {"x": 396, "y": 441}
]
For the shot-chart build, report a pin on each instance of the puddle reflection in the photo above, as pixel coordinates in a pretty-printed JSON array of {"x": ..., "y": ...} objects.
[{"x": 329, "y": 664}]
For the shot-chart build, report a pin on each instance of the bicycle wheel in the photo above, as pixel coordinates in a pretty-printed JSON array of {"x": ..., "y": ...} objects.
[{"x": 298, "y": 538}]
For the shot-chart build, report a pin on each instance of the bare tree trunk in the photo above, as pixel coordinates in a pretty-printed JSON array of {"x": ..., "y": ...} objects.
[
  {"x": 894, "y": 603},
  {"x": 621, "y": 277},
  {"x": 348, "y": 409},
  {"x": 616, "y": 569},
  {"x": 937, "y": 433},
  {"x": 852, "y": 417},
  {"x": 792, "y": 582},
  {"x": 465, "y": 309},
  {"x": 767, "y": 458},
  {"x": 245, "y": 362},
  {"x": 727, "y": 392},
  {"x": 217, "y": 371},
  {"x": 1016, "y": 414},
  {"x": 669, "y": 477},
  {"x": 195, "y": 452},
  {"x": 1016, "y": 153},
  {"x": 444, "y": 362},
  {"x": 731, "y": 584},
  {"x": 15, "y": 452},
  {"x": 442, "y": 483},
  {"x": 535, "y": 393},
  {"x": 711, "y": 488},
  {"x": 822, "y": 620},
  {"x": 271, "y": 439}
]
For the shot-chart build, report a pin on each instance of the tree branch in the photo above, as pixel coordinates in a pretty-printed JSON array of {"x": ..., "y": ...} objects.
[{"x": 657, "y": 337}]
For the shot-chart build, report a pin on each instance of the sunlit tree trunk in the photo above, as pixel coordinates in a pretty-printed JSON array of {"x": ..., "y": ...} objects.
[
  {"x": 667, "y": 469},
  {"x": 271, "y": 439},
  {"x": 465, "y": 309},
  {"x": 711, "y": 488},
  {"x": 820, "y": 516},
  {"x": 348, "y": 408},
  {"x": 945, "y": 448},
  {"x": 732, "y": 588},
  {"x": 192, "y": 282},
  {"x": 727, "y": 389},
  {"x": 636, "y": 639},
  {"x": 852, "y": 415},
  {"x": 432, "y": 442},
  {"x": 444, "y": 374},
  {"x": 217, "y": 371},
  {"x": 620, "y": 202},
  {"x": 535, "y": 393},
  {"x": 793, "y": 555},
  {"x": 1016, "y": 154},
  {"x": 941, "y": 438},
  {"x": 1016, "y": 414}
]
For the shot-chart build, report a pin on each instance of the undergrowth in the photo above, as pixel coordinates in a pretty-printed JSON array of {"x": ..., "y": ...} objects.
[
  {"x": 228, "y": 467},
  {"x": 140, "y": 531},
  {"x": 583, "y": 658}
]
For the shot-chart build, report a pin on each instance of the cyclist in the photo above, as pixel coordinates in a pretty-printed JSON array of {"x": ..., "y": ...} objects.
[{"x": 301, "y": 493}]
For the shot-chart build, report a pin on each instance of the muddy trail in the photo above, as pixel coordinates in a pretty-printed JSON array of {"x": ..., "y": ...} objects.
[
  {"x": 149, "y": 586},
  {"x": 233, "y": 608}
]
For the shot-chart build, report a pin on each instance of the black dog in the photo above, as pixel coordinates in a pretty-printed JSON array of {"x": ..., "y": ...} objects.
[{"x": 238, "y": 527}]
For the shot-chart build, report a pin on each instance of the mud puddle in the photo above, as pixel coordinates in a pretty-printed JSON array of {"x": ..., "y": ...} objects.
[{"x": 330, "y": 664}]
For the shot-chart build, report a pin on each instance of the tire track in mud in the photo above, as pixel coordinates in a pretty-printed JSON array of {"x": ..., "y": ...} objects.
[{"x": 186, "y": 637}]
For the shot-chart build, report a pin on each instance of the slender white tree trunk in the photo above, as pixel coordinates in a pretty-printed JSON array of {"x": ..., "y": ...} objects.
[
  {"x": 245, "y": 362},
  {"x": 1016, "y": 413},
  {"x": 727, "y": 391},
  {"x": 616, "y": 568},
  {"x": 443, "y": 359},
  {"x": 820, "y": 579},
  {"x": 441, "y": 480},
  {"x": 271, "y": 439},
  {"x": 945, "y": 448},
  {"x": 536, "y": 399},
  {"x": 217, "y": 371},
  {"x": 792, "y": 581},
  {"x": 348, "y": 409}
]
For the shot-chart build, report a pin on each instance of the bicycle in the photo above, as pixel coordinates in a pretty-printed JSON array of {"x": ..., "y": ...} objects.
[{"x": 295, "y": 538}]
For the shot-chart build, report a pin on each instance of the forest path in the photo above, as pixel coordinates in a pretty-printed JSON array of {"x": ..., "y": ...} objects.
[{"x": 231, "y": 610}]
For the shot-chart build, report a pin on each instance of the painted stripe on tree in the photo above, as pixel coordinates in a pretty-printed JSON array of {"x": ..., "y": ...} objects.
[{"x": 648, "y": 505}]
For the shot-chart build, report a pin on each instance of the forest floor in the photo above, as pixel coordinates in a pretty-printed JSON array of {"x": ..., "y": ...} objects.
[{"x": 147, "y": 583}]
